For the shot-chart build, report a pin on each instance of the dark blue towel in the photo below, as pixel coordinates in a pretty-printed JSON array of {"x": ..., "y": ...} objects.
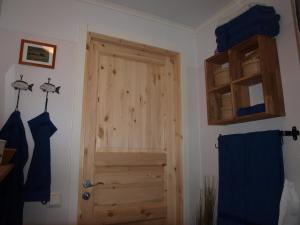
[
  {"x": 253, "y": 22},
  {"x": 270, "y": 23},
  {"x": 228, "y": 43},
  {"x": 251, "y": 177},
  {"x": 37, "y": 187},
  {"x": 256, "y": 12},
  {"x": 11, "y": 189},
  {"x": 251, "y": 110},
  {"x": 257, "y": 20}
]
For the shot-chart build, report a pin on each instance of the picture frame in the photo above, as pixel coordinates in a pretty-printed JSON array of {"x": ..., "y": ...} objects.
[{"x": 36, "y": 53}]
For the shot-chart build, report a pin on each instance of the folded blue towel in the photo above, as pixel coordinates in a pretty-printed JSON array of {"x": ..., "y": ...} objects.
[
  {"x": 268, "y": 31},
  {"x": 256, "y": 11},
  {"x": 251, "y": 110},
  {"x": 264, "y": 20},
  {"x": 252, "y": 21},
  {"x": 226, "y": 43}
]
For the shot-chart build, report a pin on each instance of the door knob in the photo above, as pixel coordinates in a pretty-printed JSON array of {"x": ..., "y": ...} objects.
[
  {"x": 89, "y": 184},
  {"x": 86, "y": 196}
]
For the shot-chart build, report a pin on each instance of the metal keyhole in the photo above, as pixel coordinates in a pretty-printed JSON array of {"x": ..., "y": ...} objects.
[{"x": 86, "y": 196}]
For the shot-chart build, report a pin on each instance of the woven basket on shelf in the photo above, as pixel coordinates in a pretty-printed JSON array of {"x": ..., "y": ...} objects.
[
  {"x": 221, "y": 76},
  {"x": 251, "y": 64}
]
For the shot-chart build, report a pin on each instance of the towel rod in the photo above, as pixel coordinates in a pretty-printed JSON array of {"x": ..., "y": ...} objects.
[{"x": 293, "y": 133}]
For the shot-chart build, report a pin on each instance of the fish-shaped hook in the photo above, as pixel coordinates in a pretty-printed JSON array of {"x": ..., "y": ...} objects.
[
  {"x": 21, "y": 84},
  {"x": 48, "y": 87}
]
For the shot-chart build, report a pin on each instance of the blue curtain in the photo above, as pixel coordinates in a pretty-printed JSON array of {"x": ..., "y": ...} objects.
[{"x": 251, "y": 177}]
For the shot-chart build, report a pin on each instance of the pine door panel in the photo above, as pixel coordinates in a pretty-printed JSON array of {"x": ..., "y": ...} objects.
[{"x": 131, "y": 135}]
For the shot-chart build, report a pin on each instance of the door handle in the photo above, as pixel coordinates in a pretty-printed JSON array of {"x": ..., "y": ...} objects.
[{"x": 89, "y": 184}]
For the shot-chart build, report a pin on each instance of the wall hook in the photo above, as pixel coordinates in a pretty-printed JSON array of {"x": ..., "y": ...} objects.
[
  {"x": 48, "y": 87},
  {"x": 21, "y": 85}
]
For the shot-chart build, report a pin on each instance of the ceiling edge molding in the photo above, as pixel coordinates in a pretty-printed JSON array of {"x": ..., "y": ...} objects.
[
  {"x": 140, "y": 14},
  {"x": 230, "y": 11}
]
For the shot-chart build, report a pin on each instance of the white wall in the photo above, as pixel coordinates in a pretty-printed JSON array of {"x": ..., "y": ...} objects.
[
  {"x": 290, "y": 73},
  {"x": 61, "y": 22}
]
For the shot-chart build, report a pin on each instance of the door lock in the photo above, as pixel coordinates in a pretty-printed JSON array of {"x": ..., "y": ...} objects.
[
  {"x": 86, "y": 196},
  {"x": 89, "y": 184}
]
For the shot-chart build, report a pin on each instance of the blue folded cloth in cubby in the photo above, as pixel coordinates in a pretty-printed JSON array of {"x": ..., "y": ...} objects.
[{"x": 251, "y": 110}]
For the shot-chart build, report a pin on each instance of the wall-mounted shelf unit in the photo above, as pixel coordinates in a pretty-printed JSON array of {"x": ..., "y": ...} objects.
[{"x": 231, "y": 75}]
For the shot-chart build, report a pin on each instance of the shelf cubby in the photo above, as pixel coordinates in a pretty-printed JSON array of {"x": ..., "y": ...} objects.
[{"x": 250, "y": 63}]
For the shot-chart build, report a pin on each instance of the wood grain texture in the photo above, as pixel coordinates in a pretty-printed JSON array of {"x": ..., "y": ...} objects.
[
  {"x": 269, "y": 77},
  {"x": 131, "y": 134},
  {"x": 5, "y": 170}
]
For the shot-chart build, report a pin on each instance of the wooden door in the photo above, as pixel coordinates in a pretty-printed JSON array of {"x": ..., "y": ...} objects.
[{"x": 131, "y": 135}]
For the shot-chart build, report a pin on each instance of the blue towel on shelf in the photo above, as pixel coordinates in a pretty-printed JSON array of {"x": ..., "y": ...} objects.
[
  {"x": 251, "y": 110},
  {"x": 257, "y": 20},
  {"x": 265, "y": 21},
  {"x": 271, "y": 22},
  {"x": 254, "y": 13},
  {"x": 271, "y": 31},
  {"x": 259, "y": 29},
  {"x": 37, "y": 187},
  {"x": 251, "y": 177}
]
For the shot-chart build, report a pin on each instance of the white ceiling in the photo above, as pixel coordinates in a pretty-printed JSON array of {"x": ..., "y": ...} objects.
[{"x": 190, "y": 13}]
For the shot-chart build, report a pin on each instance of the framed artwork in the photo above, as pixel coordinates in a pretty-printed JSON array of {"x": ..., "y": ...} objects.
[
  {"x": 37, "y": 54},
  {"x": 296, "y": 13}
]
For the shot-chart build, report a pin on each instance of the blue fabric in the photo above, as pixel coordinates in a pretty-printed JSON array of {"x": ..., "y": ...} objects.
[
  {"x": 251, "y": 110},
  {"x": 257, "y": 20},
  {"x": 226, "y": 43},
  {"x": 256, "y": 12},
  {"x": 266, "y": 24},
  {"x": 263, "y": 21},
  {"x": 252, "y": 22},
  {"x": 251, "y": 177},
  {"x": 11, "y": 188},
  {"x": 37, "y": 187}
]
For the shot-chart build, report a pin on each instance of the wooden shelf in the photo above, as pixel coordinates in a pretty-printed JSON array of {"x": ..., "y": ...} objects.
[
  {"x": 248, "y": 80},
  {"x": 243, "y": 119},
  {"x": 5, "y": 170},
  {"x": 221, "y": 89},
  {"x": 260, "y": 49}
]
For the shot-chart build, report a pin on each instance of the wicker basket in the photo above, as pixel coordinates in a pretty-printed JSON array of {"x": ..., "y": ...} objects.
[
  {"x": 251, "y": 67},
  {"x": 222, "y": 76},
  {"x": 226, "y": 113},
  {"x": 226, "y": 100}
]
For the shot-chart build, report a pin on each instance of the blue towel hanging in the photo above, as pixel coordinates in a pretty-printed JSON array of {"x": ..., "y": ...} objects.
[
  {"x": 251, "y": 177},
  {"x": 37, "y": 187},
  {"x": 11, "y": 188}
]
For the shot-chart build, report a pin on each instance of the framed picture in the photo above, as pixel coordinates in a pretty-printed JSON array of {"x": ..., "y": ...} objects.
[
  {"x": 37, "y": 54},
  {"x": 296, "y": 13}
]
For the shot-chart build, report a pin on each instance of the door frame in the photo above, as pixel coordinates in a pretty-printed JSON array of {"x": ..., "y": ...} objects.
[{"x": 178, "y": 166}]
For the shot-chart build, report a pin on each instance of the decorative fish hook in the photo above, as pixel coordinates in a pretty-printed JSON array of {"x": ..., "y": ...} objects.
[
  {"x": 21, "y": 85},
  {"x": 48, "y": 87}
]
